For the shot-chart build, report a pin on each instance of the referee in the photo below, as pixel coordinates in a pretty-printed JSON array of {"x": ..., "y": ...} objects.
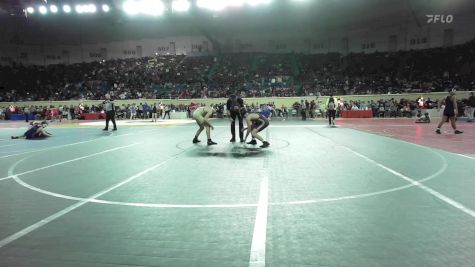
[
  {"x": 233, "y": 106},
  {"x": 110, "y": 112}
]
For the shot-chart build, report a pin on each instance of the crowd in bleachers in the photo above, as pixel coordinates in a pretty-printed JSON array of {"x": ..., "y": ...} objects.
[
  {"x": 306, "y": 109},
  {"x": 72, "y": 112},
  {"x": 251, "y": 75},
  {"x": 428, "y": 70}
]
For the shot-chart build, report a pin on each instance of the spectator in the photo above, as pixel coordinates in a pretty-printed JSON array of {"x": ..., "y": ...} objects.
[{"x": 470, "y": 107}]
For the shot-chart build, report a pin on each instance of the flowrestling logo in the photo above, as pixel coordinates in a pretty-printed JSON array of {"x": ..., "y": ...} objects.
[{"x": 440, "y": 18}]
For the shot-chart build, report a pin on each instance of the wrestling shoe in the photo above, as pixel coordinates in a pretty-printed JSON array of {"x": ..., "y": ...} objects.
[
  {"x": 14, "y": 137},
  {"x": 458, "y": 132},
  {"x": 210, "y": 143},
  {"x": 265, "y": 144},
  {"x": 437, "y": 131},
  {"x": 195, "y": 140},
  {"x": 232, "y": 140},
  {"x": 252, "y": 142}
]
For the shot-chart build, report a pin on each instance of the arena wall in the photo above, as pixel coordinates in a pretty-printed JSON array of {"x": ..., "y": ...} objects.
[
  {"x": 73, "y": 43},
  {"x": 69, "y": 54},
  {"x": 278, "y": 101}
]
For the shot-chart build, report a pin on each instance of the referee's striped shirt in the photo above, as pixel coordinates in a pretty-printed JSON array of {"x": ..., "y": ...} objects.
[{"x": 109, "y": 105}]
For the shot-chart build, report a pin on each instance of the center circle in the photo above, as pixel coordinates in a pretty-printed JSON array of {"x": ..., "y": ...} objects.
[
  {"x": 11, "y": 173},
  {"x": 276, "y": 143}
]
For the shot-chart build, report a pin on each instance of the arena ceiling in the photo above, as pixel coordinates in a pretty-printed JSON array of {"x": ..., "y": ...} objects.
[{"x": 308, "y": 17}]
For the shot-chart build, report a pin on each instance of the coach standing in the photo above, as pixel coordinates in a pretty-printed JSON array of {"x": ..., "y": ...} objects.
[
  {"x": 110, "y": 112},
  {"x": 233, "y": 106}
]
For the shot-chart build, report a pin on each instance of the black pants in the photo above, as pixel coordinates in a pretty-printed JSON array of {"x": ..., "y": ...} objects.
[
  {"x": 331, "y": 116},
  {"x": 304, "y": 114},
  {"x": 110, "y": 116},
  {"x": 241, "y": 125},
  {"x": 166, "y": 112}
]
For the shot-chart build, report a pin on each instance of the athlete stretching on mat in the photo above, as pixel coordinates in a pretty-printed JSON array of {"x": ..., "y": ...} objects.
[
  {"x": 256, "y": 122},
  {"x": 450, "y": 112},
  {"x": 36, "y": 131},
  {"x": 202, "y": 115}
]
